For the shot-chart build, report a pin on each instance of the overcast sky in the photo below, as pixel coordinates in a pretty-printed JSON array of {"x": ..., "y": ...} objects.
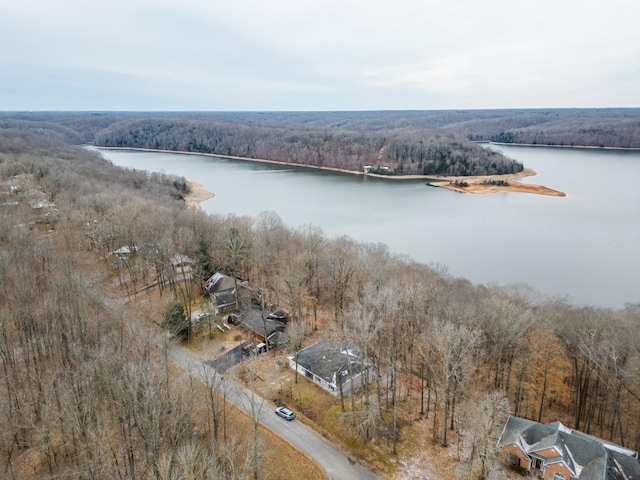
[{"x": 318, "y": 54}]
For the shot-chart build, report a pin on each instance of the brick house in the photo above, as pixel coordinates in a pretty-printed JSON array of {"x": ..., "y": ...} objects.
[{"x": 555, "y": 452}]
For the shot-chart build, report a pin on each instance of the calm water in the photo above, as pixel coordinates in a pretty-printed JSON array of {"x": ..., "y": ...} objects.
[{"x": 585, "y": 246}]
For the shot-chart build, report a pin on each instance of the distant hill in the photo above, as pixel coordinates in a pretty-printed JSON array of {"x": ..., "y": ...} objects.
[{"x": 392, "y": 142}]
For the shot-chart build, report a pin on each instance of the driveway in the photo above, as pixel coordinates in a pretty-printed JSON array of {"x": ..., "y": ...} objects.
[
  {"x": 334, "y": 462},
  {"x": 227, "y": 360}
]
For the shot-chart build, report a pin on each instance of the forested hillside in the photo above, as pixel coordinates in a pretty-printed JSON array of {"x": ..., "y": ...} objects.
[
  {"x": 85, "y": 394},
  {"x": 428, "y": 152},
  {"x": 85, "y": 390},
  {"x": 424, "y": 151},
  {"x": 392, "y": 142},
  {"x": 606, "y": 127}
]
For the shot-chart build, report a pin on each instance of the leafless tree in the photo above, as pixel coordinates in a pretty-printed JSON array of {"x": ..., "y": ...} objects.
[
  {"x": 481, "y": 425},
  {"x": 453, "y": 348}
]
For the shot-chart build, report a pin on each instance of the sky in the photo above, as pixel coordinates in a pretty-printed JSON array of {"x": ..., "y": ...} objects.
[{"x": 267, "y": 55}]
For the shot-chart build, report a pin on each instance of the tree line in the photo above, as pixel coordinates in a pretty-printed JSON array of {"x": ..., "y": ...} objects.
[
  {"x": 423, "y": 151},
  {"x": 607, "y": 127}
]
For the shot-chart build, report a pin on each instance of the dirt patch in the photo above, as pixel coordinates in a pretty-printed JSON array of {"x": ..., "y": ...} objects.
[{"x": 484, "y": 184}]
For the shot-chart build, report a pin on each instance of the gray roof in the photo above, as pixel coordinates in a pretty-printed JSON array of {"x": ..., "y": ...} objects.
[
  {"x": 279, "y": 315},
  {"x": 329, "y": 362},
  {"x": 252, "y": 319},
  {"x": 512, "y": 429},
  {"x": 218, "y": 282},
  {"x": 588, "y": 457},
  {"x": 618, "y": 462},
  {"x": 225, "y": 298},
  {"x": 180, "y": 260}
]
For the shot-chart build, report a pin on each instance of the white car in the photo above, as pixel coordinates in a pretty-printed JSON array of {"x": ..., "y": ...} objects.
[{"x": 285, "y": 413}]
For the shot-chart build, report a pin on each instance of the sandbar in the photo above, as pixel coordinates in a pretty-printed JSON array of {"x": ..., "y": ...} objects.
[
  {"x": 197, "y": 195},
  {"x": 481, "y": 184}
]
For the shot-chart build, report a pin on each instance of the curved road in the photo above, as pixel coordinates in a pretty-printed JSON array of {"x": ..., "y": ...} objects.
[{"x": 334, "y": 462}]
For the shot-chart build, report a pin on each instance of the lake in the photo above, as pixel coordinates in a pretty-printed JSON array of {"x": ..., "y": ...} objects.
[{"x": 584, "y": 247}]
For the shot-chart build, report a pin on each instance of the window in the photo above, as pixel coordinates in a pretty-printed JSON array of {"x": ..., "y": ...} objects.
[{"x": 558, "y": 476}]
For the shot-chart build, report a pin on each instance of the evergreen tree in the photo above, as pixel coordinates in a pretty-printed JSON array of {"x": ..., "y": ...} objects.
[{"x": 176, "y": 321}]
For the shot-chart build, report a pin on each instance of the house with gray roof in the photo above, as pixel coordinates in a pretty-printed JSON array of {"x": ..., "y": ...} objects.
[
  {"x": 555, "y": 452},
  {"x": 219, "y": 282},
  {"x": 222, "y": 289},
  {"x": 263, "y": 328},
  {"x": 337, "y": 370}
]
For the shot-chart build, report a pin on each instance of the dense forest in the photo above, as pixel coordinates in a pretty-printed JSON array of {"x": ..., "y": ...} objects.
[
  {"x": 407, "y": 142},
  {"x": 392, "y": 142},
  {"x": 85, "y": 394},
  {"x": 425, "y": 151}
]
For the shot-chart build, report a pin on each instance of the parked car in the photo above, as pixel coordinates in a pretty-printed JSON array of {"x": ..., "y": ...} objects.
[{"x": 285, "y": 413}]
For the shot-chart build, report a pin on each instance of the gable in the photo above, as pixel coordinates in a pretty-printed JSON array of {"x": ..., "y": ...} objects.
[
  {"x": 568, "y": 452},
  {"x": 218, "y": 282}
]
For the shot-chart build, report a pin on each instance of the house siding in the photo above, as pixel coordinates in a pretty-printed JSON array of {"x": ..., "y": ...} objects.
[
  {"x": 330, "y": 387},
  {"x": 551, "y": 470},
  {"x": 512, "y": 449},
  {"x": 547, "y": 453}
]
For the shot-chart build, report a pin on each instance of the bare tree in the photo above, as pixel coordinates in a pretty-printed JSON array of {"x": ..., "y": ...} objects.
[
  {"x": 453, "y": 348},
  {"x": 295, "y": 334},
  {"x": 482, "y": 423}
]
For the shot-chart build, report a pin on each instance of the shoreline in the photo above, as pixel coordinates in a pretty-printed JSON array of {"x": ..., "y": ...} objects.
[
  {"x": 586, "y": 147},
  {"x": 475, "y": 182},
  {"x": 197, "y": 195},
  {"x": 477, "y": 185}
]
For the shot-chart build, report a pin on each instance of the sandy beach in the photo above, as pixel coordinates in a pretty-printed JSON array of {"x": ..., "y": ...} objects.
[
  {"x": 198, "y": 194},
  {"x": 480, "y": 185}
]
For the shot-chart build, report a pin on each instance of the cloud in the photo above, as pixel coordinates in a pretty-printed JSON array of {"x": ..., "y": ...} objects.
[{"x": 304, "y": 54}]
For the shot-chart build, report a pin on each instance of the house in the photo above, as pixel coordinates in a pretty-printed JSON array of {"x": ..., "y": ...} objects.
[
  {"x": 181, "y": 262},
  {"x": 223, "y": 290},
  {"x": 225, "y": 301},
  {"x": 219, "y": 282},
  {"x": 333, "y": 368},
  {"x": 555, "y": 452},
  {"x": 264, "y": 330}
]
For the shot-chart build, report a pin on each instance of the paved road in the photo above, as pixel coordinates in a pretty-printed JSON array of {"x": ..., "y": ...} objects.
[{"x": 334, "y": 462}]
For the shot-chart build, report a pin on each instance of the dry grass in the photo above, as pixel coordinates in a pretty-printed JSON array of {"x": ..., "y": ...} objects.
[
  {"x": 280, "y": 459},
  {"x": 418, "y": 455}
]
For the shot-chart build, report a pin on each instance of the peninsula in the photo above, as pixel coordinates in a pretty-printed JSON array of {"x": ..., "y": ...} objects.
[{"x": 483, "y": 184}]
